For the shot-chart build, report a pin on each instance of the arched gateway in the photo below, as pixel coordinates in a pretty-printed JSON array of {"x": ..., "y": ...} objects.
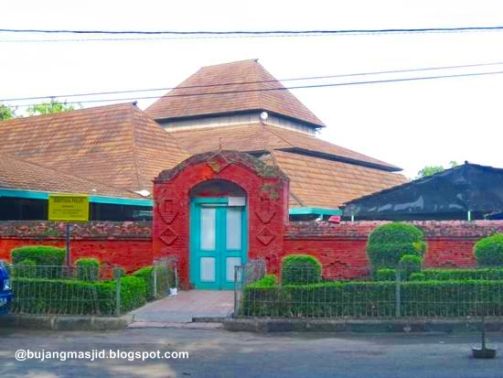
[{"x": 217, "y": 210}]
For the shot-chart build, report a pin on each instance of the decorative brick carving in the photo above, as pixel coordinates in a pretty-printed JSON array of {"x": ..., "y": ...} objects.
[
  {"x": 265, "y": 236},
  {"x": 168, "y": 236},
  {"x": 168, "y": 209},
  {"x": 265, "y": 211}
]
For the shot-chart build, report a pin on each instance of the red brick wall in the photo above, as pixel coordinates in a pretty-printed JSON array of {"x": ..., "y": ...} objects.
[
  {"x": 266, "y": 191},
  {"x": 341, "y": 247},
  {"x": 127, "y": 244}
]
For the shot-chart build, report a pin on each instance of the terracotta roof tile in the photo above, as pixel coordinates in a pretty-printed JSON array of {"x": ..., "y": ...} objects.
[
  {"x": 259, "y": 137},
  {"x": 231, "y": 87},
  {"x": 117, "y": 144},
  {"x": 20, "y": 174},
  {"x": 324, "y": 183}
]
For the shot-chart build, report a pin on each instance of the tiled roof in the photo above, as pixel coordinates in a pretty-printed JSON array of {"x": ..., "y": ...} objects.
[
  {"x": 117, "y": 144},
  {"x": 325, "y": 183},
  {"x": 227, "y": 88},
  {"x": 260, "y": 137},
  {"x": 19, "y": 174}
]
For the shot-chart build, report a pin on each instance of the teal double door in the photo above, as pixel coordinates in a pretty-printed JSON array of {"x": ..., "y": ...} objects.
[{"x": 218, "y": 241}]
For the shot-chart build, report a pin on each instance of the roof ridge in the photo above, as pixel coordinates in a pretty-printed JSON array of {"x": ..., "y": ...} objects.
[{"x": 132, "y": 126}]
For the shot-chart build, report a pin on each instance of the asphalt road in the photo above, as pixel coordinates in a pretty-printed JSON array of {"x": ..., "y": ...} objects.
[{"x": 218, "y": 353}]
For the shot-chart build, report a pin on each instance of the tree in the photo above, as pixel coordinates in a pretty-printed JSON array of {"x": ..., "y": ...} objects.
[
  {"x": 6, "y": 112},
  {"x": 430, "y": 170},
  {"x": 49, "y": 107}
]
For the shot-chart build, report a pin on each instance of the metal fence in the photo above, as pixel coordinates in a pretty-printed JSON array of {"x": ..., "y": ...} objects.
[
  {"x": 436, "y": 294},
  {"x": 77, "y": 290},
  {"x": 244, "y": 275}
]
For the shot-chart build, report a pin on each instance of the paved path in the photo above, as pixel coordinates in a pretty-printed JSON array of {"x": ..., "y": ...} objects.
[{"x": 185, "y": 306}]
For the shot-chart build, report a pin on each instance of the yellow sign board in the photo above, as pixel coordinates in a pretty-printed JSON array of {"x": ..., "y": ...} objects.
[{"x": 69, "y": 207}]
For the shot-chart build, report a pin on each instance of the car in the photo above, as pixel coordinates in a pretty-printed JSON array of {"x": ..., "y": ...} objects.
[{"x": 5, "y": 289}]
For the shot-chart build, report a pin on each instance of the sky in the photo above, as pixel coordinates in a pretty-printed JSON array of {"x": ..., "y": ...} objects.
[{"x": 409, "y": 124}]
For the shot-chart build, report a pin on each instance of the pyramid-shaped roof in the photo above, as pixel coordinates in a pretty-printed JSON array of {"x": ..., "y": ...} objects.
[
  {"x": 231, "y": 88},
  {"x": 118, "y": 145}
]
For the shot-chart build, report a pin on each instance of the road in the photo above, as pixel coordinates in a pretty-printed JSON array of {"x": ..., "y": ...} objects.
[{"x": 218, "y": 353}]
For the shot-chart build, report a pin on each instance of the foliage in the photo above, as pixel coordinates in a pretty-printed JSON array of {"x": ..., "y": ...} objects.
[
  {"x": 41, "y": 254},
  {"x": 25, "y": 268},
  {"x": 420, "y": 276},
  {"x": 462, "y": 274},
  {"x": 49, "y": 108},
  {"x": 164, "y": 280},
  {"x": 489, "y": 251},
  {"x": 269, "y": 280},
  {"x": 430, "y": 170},
  {"x": 87, "y": 269},
  {"x": 376, "y": 299},
  {"x": 385, "y": 274},
  {"x": 300, "y": 269},
  {"x": 6, "y": 112},
  {"x": 45, "y": 296},
  {"x": 409, "y": 264},
  {"x": 388, "y": 243}
]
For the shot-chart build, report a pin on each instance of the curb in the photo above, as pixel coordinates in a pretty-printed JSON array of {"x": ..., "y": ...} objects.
[
  {"x": 65, "y": 323},
  {"x": 360, "y": 326}
]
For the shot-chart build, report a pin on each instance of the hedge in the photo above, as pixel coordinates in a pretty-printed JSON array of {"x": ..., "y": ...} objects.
[
  {"x": 375, "y": 299},
  {"x": 389, "y": 242},
  {"x": 48, "y": 260},
  {"x": 459, "y": 274},
  {"x": 72, "y": 297},
  {"x": 87, "y": 269},
  {"x": 489, "y": 251},
  {"x": 41, "y": 254},
  {"x": 300, "y": 269},
  {"x": 164, "y": 280}
]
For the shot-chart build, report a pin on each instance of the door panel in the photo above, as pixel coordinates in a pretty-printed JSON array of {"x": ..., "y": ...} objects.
[{"x": 218, "y": 240}]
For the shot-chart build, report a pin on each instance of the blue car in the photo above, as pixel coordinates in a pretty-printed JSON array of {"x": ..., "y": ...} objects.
[{"x": 5, "y": 289}]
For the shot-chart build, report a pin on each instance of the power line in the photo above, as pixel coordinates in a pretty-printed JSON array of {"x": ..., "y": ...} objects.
[
  {"x": 253, "y": 32},
  {"x": 368, "y": 82},
  {"x": 305, "y": 78},
  {"x": 231, "y": 33}
]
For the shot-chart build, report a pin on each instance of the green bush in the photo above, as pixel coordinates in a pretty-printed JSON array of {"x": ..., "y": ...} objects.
[
  {"x": 409, "y": 264},
  {"x": 463, "y": 274},
  {"x": 300, "y": 269},
  {"x": 417, "y": 277},
  {"x": 164, "y": 280},
  {"x": 25, "y": 268},
  {"x": 376, "y": 299},
  {"x": 489, "y": 251},
  {"x": 87, "y": 269},
  {"x": 41, "y": 254},
  {"x": 73, "y": 297},
  {"x": 385, "y": 274},
  {"x": 269, "y": 280},
  {"x": 388, "y": 243}
]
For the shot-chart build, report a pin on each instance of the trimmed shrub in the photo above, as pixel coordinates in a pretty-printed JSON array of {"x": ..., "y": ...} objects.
[
  {"x": 417, "y": 277},
  {"x": 164, "y": 280},
  {"x": 87, "y": 269},
  {"x": 463, "y": 274},
  {"x": 385, "y": 274},
  {"x": 269, "y": 280},
  {"x": 41, "y": 254},
  {"x": 409, "y": 264},
  {"x": 388, "y": 243},
  {"x": 376, "y": 299},
  {"x": 489, "y": 251},
  {"x": 25, "y": 268},
  {"x": 73, "y": 297},
  {"x": 300, "y": 269}
]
